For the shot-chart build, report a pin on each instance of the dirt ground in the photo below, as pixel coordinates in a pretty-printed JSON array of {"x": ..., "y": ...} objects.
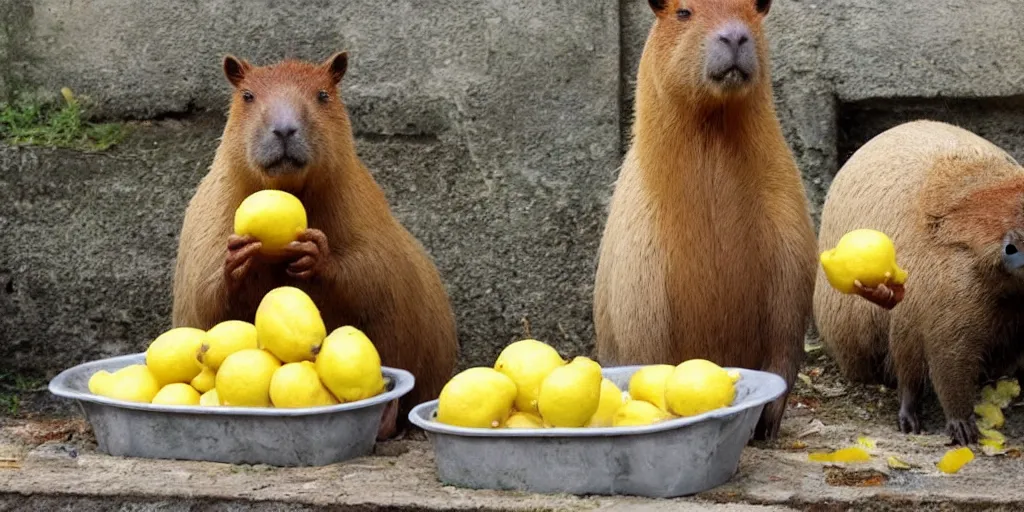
[{"x": 49, "y": 460}]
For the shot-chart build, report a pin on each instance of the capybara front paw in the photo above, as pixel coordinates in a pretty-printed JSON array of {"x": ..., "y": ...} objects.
[
  {"x": 308, "y": 254},
  {"x": 962, "y": 431},
  {"x": 241, "y": 252},
  {"x": 909, "y": 422},
  {"x": 388, "y": 421},
  {"x": 884, "y": 295}
]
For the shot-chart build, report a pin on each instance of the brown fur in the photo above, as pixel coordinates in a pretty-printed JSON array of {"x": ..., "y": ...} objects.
[
  {"x": 709, "y": 249},
  {"x": 378, "y": 277},
  {"x": 946, "y": 197}
]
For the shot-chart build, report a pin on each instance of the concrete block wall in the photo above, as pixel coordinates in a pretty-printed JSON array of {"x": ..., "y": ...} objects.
[{"x": 496, "y": 129}]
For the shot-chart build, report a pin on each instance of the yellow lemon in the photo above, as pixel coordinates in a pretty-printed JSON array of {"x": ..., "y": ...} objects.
[
  {"x": 133, "y": 383},
  {"x": 298, "y": 385},
  {"x": 177, "y": 394},
  {"x": 520, "y": 419},
  {"x": 609, "y": 403},
  {"x": 209, "y": 399},
  {"x": 172, "y": 355},
  {"x": 205, "y": 381},
  {"x": 244, "y": 378},
  {"x": 527, "y": 362},
  {"x": 224, "y": 339},
  {"x": 570, "y": 394},
  {"x": 648, "y": 384},
  {"x": 862, "y": 254},
  {"x": 635, "y": 413},
  {"x": 99, "y": 382},
  {"x": 479, "y": 397},
  {"x": 288, "y": 325},
  {"x": 275, "y": 217},
  {"x": 697, "y": 386},
  {"x": 349, "y": 365}
]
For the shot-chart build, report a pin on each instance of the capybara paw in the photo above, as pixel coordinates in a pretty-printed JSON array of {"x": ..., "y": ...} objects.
[
  {"x": 909, "y": 422},
  {"x": 308, "y": 254},
  {"x": 768, "y": 424},
  {"x": 388, "y": 421},
  {"x": 883, "y": 295},
  {"x": 962, "y": 431},
  {"x": 241, "y": 252}
]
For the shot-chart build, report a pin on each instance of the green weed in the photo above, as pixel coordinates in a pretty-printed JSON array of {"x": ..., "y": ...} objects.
[{"x": 56, "y": 124}]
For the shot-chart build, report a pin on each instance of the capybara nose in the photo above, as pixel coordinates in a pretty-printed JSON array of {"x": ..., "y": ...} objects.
[
  {"x": 284, "y": 131},
  {"x": 731, "y": 58},
  {"x": 734, "y": 36}
]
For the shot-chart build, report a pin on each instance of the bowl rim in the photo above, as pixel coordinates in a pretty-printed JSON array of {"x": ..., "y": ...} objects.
[
  {"x": 403, "y": 384},
  {"x": 768, "y": 387}
]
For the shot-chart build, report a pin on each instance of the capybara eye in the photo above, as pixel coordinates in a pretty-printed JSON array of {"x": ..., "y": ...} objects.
[
  {"x": 762, "y": 6},
  {"x": 324, "y": 97},
  {"x": 684, "y": 14},
  {"x": 247, "y": 96}
]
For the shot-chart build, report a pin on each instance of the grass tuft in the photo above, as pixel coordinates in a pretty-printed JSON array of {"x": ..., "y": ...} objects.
[{"x": 57, "y": 124}]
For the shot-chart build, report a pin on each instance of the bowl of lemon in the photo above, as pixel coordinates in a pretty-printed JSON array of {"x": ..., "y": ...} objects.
[
  {"x": 279, "y": 391},
  {"x": 536, "y": 422}
]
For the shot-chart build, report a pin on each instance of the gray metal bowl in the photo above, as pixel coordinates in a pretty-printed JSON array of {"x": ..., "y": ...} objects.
[
  {"x": 310, "y": 436},
  {"x": 677, "y": 457}
]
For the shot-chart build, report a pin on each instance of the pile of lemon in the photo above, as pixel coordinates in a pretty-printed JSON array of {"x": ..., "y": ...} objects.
[
  {"x": 532, "y": 386},
  {"x": 284, "y": 359}
]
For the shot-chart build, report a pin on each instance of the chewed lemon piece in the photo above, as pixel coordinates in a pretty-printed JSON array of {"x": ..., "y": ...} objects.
[
  {"x": 955, "y": 459},
  {"x": 850, "y": 454}
]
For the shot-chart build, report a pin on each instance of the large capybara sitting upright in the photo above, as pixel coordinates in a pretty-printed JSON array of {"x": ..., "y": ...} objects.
[
  {"x": 709, "y": 249},
  {"x": 288, "y": 129},
  {"x": 953, "y": 205}
]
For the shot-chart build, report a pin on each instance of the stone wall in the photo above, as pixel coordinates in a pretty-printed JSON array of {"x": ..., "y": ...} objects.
[{"x": 496, "y": 129}]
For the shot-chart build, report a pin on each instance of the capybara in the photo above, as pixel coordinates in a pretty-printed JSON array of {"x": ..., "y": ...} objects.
[
  {"x": 288, "y": 129},
  {"x": 953, "y": 205},
  {"x": 709, "y": 249}
]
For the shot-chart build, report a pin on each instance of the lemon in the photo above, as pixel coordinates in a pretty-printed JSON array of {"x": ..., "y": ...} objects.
[
  {"x": 100, "y": 382},
  {"x": 244, "y": 378},
  {"x": 570, "y": 394},
  {"x": 172, "y": 355},
  {"x": 209, "y": 399},
  {"x": 865, "y": 255},
  {"x": 275, "y": 217},
  {"x": 697, "y": 386},
  {"x": 349, "y": 365},
  {"x": 224, "y": 339},
  {"x": 648, "y": 384},
  {"x": 288, "y": 325},
  {"x": 133, "y": 383},
  {"x": 205, "y": 381},
  {"x": 635, "y": 413},
  {"x": 520, "y": 419},
  {"x": 177, "y": 394},
  {"x": 298, "y": 385},
  {"x": 609, "y": 403},
  {"x": 527, "y": 362},
  {"x": 478, "y": 397}
]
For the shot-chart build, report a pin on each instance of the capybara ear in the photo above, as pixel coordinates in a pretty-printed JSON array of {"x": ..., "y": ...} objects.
[
  {"x": 657, "y": 5},
  {"x": 763, "y": 6},
  {"x": 336, "y": 65},
  {"x": 235, "y": 69}
]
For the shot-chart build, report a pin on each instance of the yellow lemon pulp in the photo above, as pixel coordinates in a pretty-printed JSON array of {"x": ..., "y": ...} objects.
[
  {"x": 524, "y": 420},
  {"x": 648, "y": 384},
  {"x": 288, "y": 325},
  {"x": 954, "y": 459},
  {"x": 172, "y": 355},
  {"x": 298, "y": 385},
  {"x": 349, "y": 365},
  {"x": 635, "y": 413},
  {"x": 177, "y": 394},
  {"x": 609, "y": 403},
  {"x": 244, "y": 378},
  {"x": 205, "y": 381},
  {"x": 862, "y": 254},
  {"x": 275, "y": 217},
  {"x": 527, "y": 363},
  {"x": 224, "y": 339},
  {"x": 478, "y": 397},
  {"x": 570, "y": 394},
  {"x": 697, "y": 386},
  {"x": 133, "y": 383}
]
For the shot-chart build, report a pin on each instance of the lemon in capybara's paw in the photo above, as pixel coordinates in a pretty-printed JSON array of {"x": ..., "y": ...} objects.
[
  {"x": 697, "y": 386},
  {"x": 521, "y": 419},
  {"x": 478, "y": 397},
  {"x": 133, "y": 383},
  {"x": 527, "y": 363},
  {"x": 637, "y": 413},
  {"x": 244, "y": 378},
  {"x": 224, "y": 339},
  {"x": 275, "y": 217},
  {"x": 609, "y": 403},
  {"x": 289, "y": 325},
  {"x": 864, "y": 255},
  {"x": 349, "y": 365},
  {"x": 172, "y": 355},
  {"x": 298, "y": 385},
  {"x": 177, "y": 393},
  {"x": 648, "y": 384},
  {"x": 570, "y": 394},
  {"x": 209, "y": 399},
  {"x": 205, "y": 381}
]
